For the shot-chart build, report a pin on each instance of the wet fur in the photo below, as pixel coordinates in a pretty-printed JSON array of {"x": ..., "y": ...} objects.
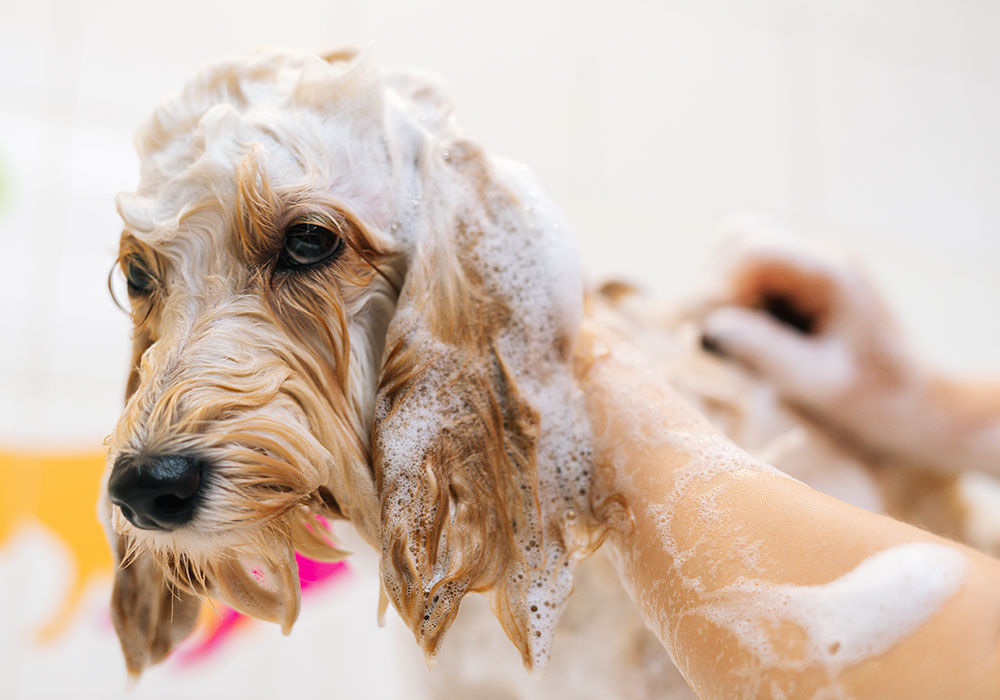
[{"x": 295, "y": 387}]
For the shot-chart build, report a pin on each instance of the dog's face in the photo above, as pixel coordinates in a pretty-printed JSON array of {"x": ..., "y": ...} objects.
[{"x": 342, "y": 309}]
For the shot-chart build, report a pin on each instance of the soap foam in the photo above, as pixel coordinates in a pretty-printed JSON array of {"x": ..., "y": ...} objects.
[
  {"x": 516, "y": 247},
  {"x": 854, "y": 617},
  {"x": 539, "y": 277}
]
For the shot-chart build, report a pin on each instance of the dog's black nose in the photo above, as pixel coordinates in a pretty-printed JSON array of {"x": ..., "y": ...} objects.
[{"x": 156, "y": 493}]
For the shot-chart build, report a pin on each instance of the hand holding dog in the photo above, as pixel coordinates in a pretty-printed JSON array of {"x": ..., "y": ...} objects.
[{"x": 810, "y": 321}]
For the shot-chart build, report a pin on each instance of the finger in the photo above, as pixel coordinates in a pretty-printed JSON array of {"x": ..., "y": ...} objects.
[
  {"x": 802, "y": 367},
  {"x": 802, "y": 301},
  {"x": 801, "y": 282}
]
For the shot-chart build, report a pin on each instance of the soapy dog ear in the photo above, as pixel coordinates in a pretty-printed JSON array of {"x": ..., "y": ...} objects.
[
  {"x": 454, "y": 445},
  {"x": 150, "y": 616},
  {"x": 457, "y": 436}
]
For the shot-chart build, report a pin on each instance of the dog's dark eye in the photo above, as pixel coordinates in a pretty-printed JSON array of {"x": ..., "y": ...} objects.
[
  {"x": 137, "y": 276},
  {"x": 308, "y": 244}
]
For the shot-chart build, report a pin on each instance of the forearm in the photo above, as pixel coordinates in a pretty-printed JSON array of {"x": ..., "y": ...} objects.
[
  {"x": 934, "y": 421},
  {"x": 966, "y": 414},
  {"x": 757, "y": 584},
  {"x": 809, "y": 597}
]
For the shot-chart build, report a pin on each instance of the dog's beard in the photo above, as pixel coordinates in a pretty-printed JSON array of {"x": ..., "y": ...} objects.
[
  {"x": 268, "y": 491},
  {"x": 256, "y": 572}
]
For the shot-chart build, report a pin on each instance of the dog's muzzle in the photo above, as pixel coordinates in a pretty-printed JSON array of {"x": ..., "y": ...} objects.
[{"x": 156, "y": 492}]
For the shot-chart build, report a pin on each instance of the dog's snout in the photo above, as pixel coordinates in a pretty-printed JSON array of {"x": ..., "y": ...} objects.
[{"x": 156, "y": 492}]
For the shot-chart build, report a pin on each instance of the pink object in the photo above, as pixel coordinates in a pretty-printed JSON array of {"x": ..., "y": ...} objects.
[{"x": 218, "y": 630}]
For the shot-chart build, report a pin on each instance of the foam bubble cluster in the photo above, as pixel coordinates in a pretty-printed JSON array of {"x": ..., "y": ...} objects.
[
  {"x": 856, "y": 616},
  {"x": 482, "y": 444}
]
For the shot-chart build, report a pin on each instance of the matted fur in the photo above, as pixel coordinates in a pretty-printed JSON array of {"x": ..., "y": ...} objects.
[{"x": 418, "y": 386}]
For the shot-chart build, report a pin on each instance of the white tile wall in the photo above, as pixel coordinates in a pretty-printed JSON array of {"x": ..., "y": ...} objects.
[{"x": 872, "y": 123}]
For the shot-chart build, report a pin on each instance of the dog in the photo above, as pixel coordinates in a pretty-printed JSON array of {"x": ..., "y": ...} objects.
[{"x": 343, "y": 309}]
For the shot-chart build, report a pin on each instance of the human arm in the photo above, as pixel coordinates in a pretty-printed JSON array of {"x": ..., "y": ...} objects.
[{"x": 761, "y": 587}]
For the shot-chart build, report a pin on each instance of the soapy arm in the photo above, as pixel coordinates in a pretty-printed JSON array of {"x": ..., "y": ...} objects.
[{"x": 759, "y": 586}]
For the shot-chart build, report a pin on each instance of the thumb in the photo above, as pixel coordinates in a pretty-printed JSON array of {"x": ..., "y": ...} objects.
[{"x": 804, "y": 368}]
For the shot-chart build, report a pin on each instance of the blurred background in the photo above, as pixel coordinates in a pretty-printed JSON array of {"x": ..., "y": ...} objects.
[{"x": 870, "y": 123}]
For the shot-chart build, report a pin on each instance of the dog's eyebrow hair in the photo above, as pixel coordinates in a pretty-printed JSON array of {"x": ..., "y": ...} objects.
[
  {"x": 263, "y": 212},
  {"x": 129, "y": 244},
  {"x": 259, "y": 211}
]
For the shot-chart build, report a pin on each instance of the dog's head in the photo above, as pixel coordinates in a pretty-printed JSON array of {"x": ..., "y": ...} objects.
[{"x": 343, "y": 309}]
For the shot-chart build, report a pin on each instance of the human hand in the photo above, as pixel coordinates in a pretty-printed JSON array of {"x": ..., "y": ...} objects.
[{"x": 808, "y": 319}]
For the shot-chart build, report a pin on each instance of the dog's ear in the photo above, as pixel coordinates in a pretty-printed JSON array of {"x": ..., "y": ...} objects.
[
  {"x": 150, "y": 615},
  {"x": 264, "y": 587},
  {"x": 480, "y": 450}
]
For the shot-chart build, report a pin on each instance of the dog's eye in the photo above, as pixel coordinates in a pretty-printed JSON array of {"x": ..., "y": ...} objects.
[
  {"x": 308, "y": 244},
  {"x": 137, "y": 276}
]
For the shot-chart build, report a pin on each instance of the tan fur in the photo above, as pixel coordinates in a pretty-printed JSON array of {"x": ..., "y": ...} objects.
[{"x": 306, "y": 392}]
